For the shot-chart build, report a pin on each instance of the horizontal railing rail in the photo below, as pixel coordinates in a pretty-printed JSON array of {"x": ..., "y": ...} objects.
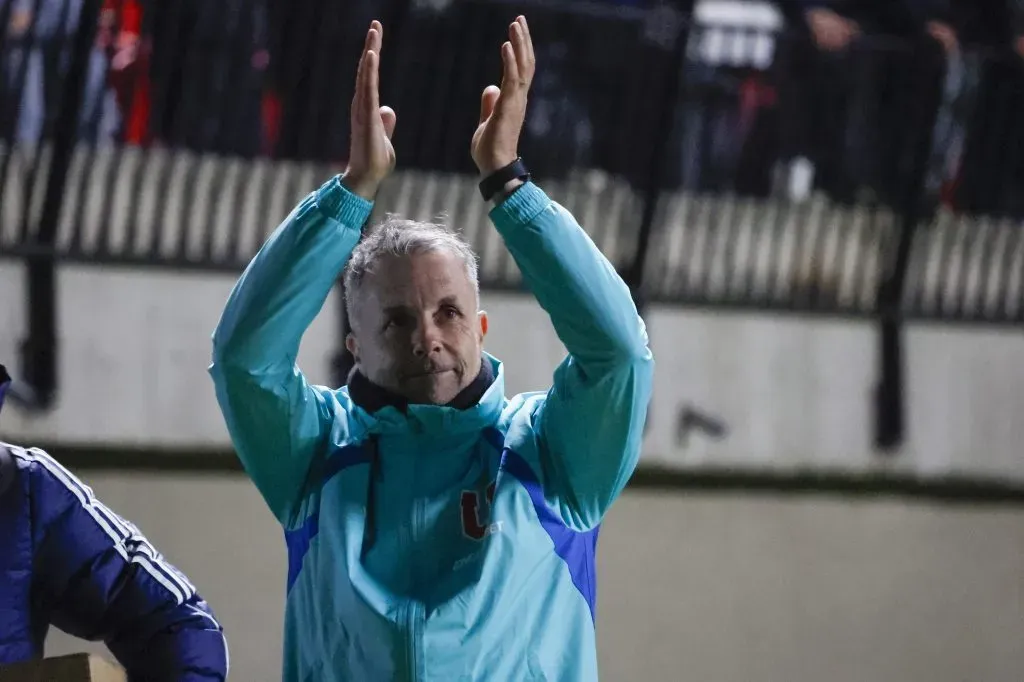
[{"x": 786, "y": 179}]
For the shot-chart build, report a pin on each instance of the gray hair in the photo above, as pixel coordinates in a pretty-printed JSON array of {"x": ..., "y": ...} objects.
[{"x": 396, "y": 236}]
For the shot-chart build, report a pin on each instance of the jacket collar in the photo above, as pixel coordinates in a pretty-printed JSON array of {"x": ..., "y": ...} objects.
[
  {"x": 374, "y": 398},
  {"x": 477, "y": 406}
]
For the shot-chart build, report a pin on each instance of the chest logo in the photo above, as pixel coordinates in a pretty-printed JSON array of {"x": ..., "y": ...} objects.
[{"x": 476, "y": 523}]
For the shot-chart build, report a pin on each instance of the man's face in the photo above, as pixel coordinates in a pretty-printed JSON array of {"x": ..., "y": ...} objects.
[{"x": 416, "y": 328}]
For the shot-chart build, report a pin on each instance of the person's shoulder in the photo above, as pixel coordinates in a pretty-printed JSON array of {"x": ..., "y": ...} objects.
[
  {"x": 8, "y": 468},
  {"x": 519, "y": 419},
  {"x": 523, "y": 405},
  {"x": 41, "y": 477},
  {"x": 342, "y": 400},
  {"x": 32, "y": 459},
  {"x": 350, "y": 422},
  {"x": 17, "y": 462},
  {"x": 37, "y": 480}
]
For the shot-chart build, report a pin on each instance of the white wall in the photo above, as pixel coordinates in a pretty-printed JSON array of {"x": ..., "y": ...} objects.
[
  {"x": 719, "y": 588},
  {"x": 798, "y": 392},
  {"x": 795, "y": 393}
]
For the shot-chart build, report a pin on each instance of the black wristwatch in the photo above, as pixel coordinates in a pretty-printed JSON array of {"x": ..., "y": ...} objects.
[{"x": 494, "y": 182}]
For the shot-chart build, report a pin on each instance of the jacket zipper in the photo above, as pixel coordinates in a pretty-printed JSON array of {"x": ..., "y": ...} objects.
[
  {"x": 414, "y": 608},
  {"x": 414, "y": 626}
]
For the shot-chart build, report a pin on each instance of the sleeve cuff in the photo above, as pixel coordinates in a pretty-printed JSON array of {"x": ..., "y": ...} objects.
[
  {"x": 525, "y": 204},
  {"x": 335, "y": 201}
]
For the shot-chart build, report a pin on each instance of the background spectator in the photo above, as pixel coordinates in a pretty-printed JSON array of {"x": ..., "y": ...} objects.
[
  {"x": 850, "y": 89},
  {"x": 208, "y": 65},
  {"x": 36, "y": 56},
  {"x": 992, "y": 174}
]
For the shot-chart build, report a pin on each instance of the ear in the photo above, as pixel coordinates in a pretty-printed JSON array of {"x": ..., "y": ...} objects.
[
  {"x": 482, "y": 318},
  {"x": 352, "y": 345}
]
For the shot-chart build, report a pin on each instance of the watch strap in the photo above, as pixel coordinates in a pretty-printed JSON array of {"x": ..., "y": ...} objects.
[{"x": 494, "y": 182}]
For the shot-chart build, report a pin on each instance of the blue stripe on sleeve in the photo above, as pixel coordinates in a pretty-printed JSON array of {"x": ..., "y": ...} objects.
[
  {"x": 298, "y": 539},
  {"x": 577, "y": 549}
]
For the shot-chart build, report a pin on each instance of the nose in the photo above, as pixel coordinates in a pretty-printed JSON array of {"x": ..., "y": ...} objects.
[{"x": 427, "y": 339}]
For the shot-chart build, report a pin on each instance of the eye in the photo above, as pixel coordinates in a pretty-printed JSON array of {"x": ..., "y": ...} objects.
[{"x": 450, "y": 312}]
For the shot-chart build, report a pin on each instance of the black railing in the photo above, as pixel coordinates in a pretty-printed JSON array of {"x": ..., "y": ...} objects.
[{"x": 715, "y": 163}]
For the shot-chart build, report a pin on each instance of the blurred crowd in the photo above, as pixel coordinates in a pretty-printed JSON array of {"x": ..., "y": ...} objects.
[
  {"x": 863, "y": 100},
  {"x": 886, "y": 92}
]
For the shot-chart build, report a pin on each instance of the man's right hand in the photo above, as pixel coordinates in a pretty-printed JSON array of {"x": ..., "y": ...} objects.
[
  {"x": 832, "y": 32},
  {"x": 371, "y": 156},
  {"x": 19, "y": 23}
]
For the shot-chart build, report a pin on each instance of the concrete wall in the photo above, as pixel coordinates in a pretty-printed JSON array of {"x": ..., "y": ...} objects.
[
  {"x": 792, "y": 393},
  {"x": 706, "y": 587},
  {"x": 692, "y": 587}
]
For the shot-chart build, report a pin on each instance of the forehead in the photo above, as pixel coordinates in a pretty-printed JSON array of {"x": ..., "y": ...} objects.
[{"x": 426, "y": 275}]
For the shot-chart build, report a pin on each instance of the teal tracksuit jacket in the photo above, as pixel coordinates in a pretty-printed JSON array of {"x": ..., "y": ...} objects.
[{"x": 432, "y": 542}]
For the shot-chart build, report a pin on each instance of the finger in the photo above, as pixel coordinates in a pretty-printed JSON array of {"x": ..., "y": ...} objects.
[
  {"x": 531, "y": 55},
  {"x": 357, "y": 97},
  {"x": 388, "y": 117},
  {"x": 358, "y": 101},
  {"x": 371, "y": 92},
  {"x": 518, "y": 40},
  {"x": 510, "y": 73},
  {"x": 375, "y": 36},
  {"x": 371, "y": 42},
  {"x": 487, "y": 101}
]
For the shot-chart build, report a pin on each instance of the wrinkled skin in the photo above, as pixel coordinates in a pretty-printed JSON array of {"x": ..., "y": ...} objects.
[{"x": 416, "y": 328}]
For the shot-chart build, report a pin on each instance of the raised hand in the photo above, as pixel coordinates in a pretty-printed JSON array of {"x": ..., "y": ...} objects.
[
  {"x": 371, "y": 156},
  {"x": 832, "y": 32},
  {"x": 944, "y": 34},
  {"x": 503, "y": 110}
]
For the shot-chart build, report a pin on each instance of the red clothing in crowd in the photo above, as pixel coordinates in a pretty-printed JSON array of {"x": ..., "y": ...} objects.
[{"x": 121, "y": 27}]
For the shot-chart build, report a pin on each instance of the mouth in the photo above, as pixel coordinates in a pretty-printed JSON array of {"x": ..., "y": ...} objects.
[{"x": 426, "y": 373}]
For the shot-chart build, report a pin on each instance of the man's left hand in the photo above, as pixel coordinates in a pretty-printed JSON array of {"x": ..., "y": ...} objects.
[
  {"x": 371, "y": 155},
  {"x": 944, "y": 34},
  {"x": 503, "y": 110}
]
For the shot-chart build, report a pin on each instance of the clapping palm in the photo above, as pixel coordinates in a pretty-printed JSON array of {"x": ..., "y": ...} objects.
[
  {"x": 502, "y": 113},
  {"x": 371, "y": 155},
  {"x": 503, "y": 110}
]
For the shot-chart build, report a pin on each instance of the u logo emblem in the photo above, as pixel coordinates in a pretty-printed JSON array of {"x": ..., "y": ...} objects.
[{"x": 476, "y": 522}]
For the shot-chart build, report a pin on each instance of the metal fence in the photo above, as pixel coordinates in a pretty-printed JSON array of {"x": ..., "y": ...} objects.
[
  {"x": 178, "y": 134},
  {"x": 717, "y": 160},
  {"x": 673, "y": 139}
]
